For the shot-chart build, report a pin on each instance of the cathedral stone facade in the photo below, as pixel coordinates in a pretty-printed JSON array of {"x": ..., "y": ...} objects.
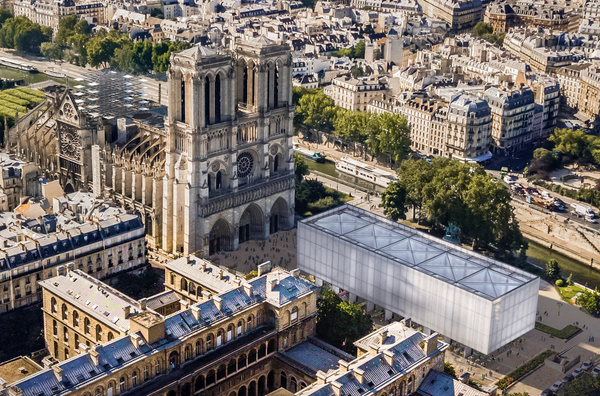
[{"x": 216, "y": 172}]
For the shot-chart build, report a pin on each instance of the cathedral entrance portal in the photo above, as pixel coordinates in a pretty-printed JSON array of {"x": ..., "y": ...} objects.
[
  {"x": 251, "y": 224},
  {"x": 69, "y": 188},
  {"x": 220, "y": 237},
  {"x": 279, "y": 216}
]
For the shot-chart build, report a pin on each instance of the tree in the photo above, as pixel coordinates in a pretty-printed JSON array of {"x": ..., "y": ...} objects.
[
  {"x": 317, "y": 111},
  {"x": 449, "y": 369},
  {"x": 482, "y": 29},
  {"x": 359, "y": 50},
  {"x": 4, "y": 15},
  {"x": 344, "y": 52},
  {"x": 590, "y": 300},
  {"x": 23, "y": 35},
  {"x": 394, "y": 135},
  {"x": 446, "y": 191},
  {"x": 570, "y": 279},
  {"x": 66, "y": 29},
  {"x": 585, "y": 385},
  {"x": 79, "y": 47},
  {"x": 341, "y": 323},
  {"x": 301, "y": 169},
  {"x": 357, "y": 71},
  {"x": 82, "y": 27},
  {"x": 157, "y": 13},
  {"x": 51, "y": 50},
  {"x": 552, "y": 270},
  {"x": 393, "y": 200}
]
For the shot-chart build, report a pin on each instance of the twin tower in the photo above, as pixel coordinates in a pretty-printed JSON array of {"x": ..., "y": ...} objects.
[{"x": 229, "y": 168}]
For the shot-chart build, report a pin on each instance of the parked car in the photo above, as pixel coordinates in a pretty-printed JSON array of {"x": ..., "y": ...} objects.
[
  {"x": 556, "y": 386},
  {"x": 578, "y": 371},
  {"x": 587, "y": 365},
  {"x": 567, "y": 378},
  {"x": 546, "y": 392},
  {"x": 596, "y": 371},
  {"x": 508, "y": 179}
]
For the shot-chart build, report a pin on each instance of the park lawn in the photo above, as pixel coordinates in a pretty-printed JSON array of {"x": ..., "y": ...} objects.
[{"x": 568, "y": 292}]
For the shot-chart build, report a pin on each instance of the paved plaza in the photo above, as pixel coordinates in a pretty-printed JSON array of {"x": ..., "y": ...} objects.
[{"x": 280, "y": 249}]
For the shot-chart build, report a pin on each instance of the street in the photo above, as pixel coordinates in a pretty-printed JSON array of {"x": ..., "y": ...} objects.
[{"x": 73, "y": 71}]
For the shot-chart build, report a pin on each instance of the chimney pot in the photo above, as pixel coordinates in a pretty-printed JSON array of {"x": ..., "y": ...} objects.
[{"x": 220, "y": 274}]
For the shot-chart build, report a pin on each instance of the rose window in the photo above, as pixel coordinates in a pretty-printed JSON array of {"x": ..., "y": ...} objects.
[{"x": 245, "y": 163}]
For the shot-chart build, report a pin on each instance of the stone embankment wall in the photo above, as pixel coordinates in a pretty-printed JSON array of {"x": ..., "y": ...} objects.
[{"x": 559, "y": 233}]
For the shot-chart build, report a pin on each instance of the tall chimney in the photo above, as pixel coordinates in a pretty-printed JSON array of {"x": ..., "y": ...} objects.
[
  {"x": 94, "y": 354},
  {"x": 382, "y": 337},
  {"x": 359, "y": 373},
  {"x": 389, "y": 357},
  {"x": 337, "y": 388}
]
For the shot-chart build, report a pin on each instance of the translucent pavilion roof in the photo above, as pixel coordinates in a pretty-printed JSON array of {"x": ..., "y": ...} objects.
[{"x": 406, "y": 246}]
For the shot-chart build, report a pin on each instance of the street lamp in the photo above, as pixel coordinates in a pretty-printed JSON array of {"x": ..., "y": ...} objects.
[{"x": 559, "y": 305}]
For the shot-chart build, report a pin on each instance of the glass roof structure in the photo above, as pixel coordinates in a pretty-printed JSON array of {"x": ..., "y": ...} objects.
[
  {"x": 461, "y": 267},
  {"x": 109, "y": 94}
]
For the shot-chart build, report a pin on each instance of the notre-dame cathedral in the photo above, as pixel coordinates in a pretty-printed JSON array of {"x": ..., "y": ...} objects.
[{"x": 216, "y": 172}]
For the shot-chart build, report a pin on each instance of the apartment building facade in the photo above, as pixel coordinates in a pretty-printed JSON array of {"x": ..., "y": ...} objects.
[{"x": 354, "y": 94}]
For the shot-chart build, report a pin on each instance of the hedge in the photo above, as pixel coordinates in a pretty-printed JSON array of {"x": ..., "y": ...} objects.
[
  {"x": 34, "y": 92},
  {"x": 567, "y": 332},
  {"x": 14, "y": 99},
  {"x": 523, "y": 370}
]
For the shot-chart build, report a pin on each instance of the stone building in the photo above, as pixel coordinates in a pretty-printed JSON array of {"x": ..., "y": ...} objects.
[
  {"x": 217, "y": 171},
  {"x": 590, "y": 92},
  {"x": 17, "y": 179},
  {"x": 48, "y": 13},
  {"x": 469, "y": 128},
  {"x": 419, "y": 114},
  {"x": 504, "y": 15},
  {"x": 404, "y": 354},
  {"x": 354, "y": 93},
  {"x": 569, "y": 79},
  {"x": 32, "y": 250},
  {"x": 244, "y": 342},
  {"x": 460, "y": 14},
  {"x": 512, "y": 118}
]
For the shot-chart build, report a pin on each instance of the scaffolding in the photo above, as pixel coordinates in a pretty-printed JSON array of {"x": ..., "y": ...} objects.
[{"x": 110, "y": 94}]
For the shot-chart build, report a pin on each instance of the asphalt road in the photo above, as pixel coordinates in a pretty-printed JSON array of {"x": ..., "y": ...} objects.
[{"x": 73, "y": 71}]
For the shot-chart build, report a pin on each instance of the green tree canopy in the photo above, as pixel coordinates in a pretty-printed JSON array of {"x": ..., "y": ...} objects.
[
  {"x": 4, "y": 15},
  {"x": 341, "y": 323},
  {"x": 449, "y": 369},
  {"x": 482, "y": 28},
  {"x": 301, "y": 169},
  {"x": 393, "y": 200},
  {"x": 590, "y": 300},
  {"x": 552, "y": 270},
  {"x": 51, "y": 50},
  {"x": 585, "y": 385},
  {"x": 448, "y": 191},
  {"x": 23, "y": 35},
  {"x": 359, "y": 50},
  {"x": 317, "y": 111},
  {"x": 66, "y": 29}
]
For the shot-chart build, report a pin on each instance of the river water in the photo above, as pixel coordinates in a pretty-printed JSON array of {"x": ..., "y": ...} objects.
[
  {"x": 30, "y": 78},
  {"x": 536, "y": 253}
]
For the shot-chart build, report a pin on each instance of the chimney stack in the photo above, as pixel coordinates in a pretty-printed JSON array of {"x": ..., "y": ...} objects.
[
  {"x": 248, "y": 289},
  {"x": 196, "y": 312},
  {"x": 337, "y": 388},
  {"x": 465, "y": 378},
  {"x": 126, "y": 312},
  {"x": 321, "y": 378},
  {"x": 206, "y": 295},
  {"x": 218, "y": 302},
  {"x": 359, "y": 373},
  {"x": 143, "y": 304},
  {"x": 203, "y": 266},
  {"x": 184, "y": 304},
  {"x": 373, "y": 350},
  {"x": 295, "y": 273},
  {"x": 220, "y": 274},
  {"x": 429, "y": 344},
  {"x": 58, "y": 372},
  {"x": 406, "y": 322},
  {"x": 389, "y": 357},
  {"x": 343, "y": 366},
  {"x": 264, "y": 268},
  {"x": 135, "y": 339},
  {"x": 188, "y": 259},
  {"x": 94, "y": 354},
  {"x": 271, "y": 284},
  {"x": 382, "y": 337}
]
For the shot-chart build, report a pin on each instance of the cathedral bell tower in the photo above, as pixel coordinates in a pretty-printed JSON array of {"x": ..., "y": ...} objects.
[{"x": 229, "y": 147}]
